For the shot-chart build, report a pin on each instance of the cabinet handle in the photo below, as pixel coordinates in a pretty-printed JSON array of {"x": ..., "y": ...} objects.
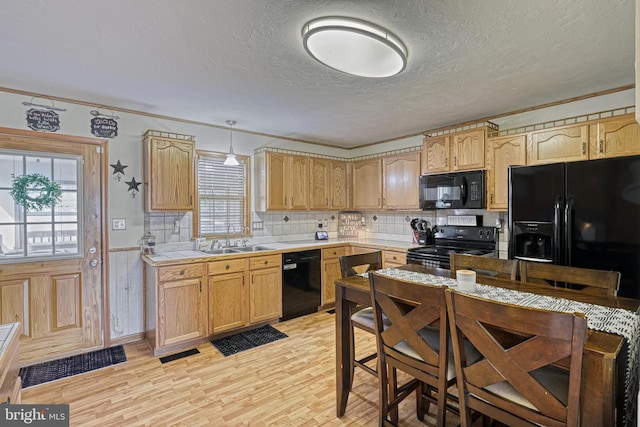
[
  {"x": 200, "y": 282},
  {"x": 242, "y": 280},
  {"x": 446, "y": 162},
  {"x": 394, "y": 257},
  {"x": 191, "y": 200},
  {"x": 266, "y": 262},
  {"x": 327, "y": 201},
  {"x": 285, "y": 201},
  {"x": 584, "y": 148},
  {"x": 292, "y": 201},
  {"x": 601, "y": 147},
  {"x": 455, "y": 161},
  {"x": 226, "y": 267},
  {"x": 182, "y": 272},
  {"x": 491, "y": 198},
  {"x": 378, "y": 200}
]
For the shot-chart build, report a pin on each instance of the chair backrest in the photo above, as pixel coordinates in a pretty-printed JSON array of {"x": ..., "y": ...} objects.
[
  {"x": 598, "y": 282},
  {"x": 488, "y": 266},
  {"x": 518, "y": 376},
  {"x": 350, "y": 265},
  {"x": 411, "y": 309}
]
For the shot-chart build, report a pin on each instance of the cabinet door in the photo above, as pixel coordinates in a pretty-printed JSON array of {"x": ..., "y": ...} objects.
[
  {"x": 319, "y": 184},
  {"x": 298, "y": 182},
  {"x": 560, "y": 144},
  {"x": 170, "y": 175},
  {"x": 617, "y": 137},
  {"x": 227, "y": 302},
  {"x": 401, "y": 181},
  {"x": 277, "y": 181},
  {"x": 338, "y": 185},
  {"x": 367, "y": 184},
  {"x": 330, "y": 273},
  {"x": 265, "y": 295},
  {"x": 435, "y": 154},
  {"x": 181, "y": 312},
  {"x": 468, "y": 150},
  {"x": 503, "y": 152}
]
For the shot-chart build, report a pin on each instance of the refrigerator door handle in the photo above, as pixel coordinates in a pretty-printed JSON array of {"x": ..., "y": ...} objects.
[
  {"x": 568, "y": 237},
  {"x": 557, "y": 227}
]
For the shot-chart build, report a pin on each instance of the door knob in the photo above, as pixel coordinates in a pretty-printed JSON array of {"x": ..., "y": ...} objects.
[{"x": 93, "y": 263}]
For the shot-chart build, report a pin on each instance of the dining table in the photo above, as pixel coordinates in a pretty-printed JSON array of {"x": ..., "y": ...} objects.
[{"x": 606, "y": 356}]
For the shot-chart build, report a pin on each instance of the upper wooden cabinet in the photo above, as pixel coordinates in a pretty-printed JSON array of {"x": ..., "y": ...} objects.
[
  {"x": 435, "y": 154},
  {"x": 401, "y": 176},
  {"x": 282, "y": 181},
  {"x": 320, "y": 186},
  {"x": 367, "y": 184},
  {"x": 338, "y": 180},
  {"x": 614, "y": 137},
  {"x": 503, "y": 152},
  {"x": 467, "y": 149},
  {"x": 558, "y": 144},
  {"x": 169, "y": 172},
  {"x": 457, "y": 151}
]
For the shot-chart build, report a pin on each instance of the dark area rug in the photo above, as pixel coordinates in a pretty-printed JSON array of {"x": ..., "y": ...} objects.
[
  {"x": 69, "y": 366},
  {"x": 246, "y": 340}
]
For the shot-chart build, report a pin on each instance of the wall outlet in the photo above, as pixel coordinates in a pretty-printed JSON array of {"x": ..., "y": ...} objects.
[
  {"x": 319, "y": 223},
  {"x": 176, "y": 226}
]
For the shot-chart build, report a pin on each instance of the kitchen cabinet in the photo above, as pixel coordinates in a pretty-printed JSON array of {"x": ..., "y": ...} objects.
[
  {"x": 176, "y": 305},
  {"x": 467, "y": 149},
  {"x": 503, "y": 152},
  {"x": 169, "y": 167},
  {"x": 559, "y": 144},
  {"x": 367, "y": 184},
  {"x": 282, "y": 181},
  {"x": 227, "y": 295},
  {"x": 320, "y": 186},
  {"x": 265, "y": 288},
  {"x": 338, "y": 179},
  {"x": 435, "y": 154},
  {"x": 331, "y": 272},
  {"x": 393, "y": 258},
  {"x": 614, "y": 137},
  {"x": 10, "y": 382},
  {"x": 401, "y": 176}
]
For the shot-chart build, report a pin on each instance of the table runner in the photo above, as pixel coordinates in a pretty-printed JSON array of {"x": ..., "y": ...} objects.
[{"x": 600, "y": 318}]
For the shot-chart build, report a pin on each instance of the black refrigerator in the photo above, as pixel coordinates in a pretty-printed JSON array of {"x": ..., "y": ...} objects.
[{"x": 583, "y": 214}]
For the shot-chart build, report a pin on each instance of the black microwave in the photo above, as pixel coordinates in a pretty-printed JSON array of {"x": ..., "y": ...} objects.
[{"x": 458, "y": 190}]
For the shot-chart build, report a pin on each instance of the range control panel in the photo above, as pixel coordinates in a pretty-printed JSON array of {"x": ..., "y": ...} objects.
[{"x": 486, "y": 234}]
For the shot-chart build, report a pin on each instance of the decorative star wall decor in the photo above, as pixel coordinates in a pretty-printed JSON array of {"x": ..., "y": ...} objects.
[
  {"x": 133, "y": 186},
  {"x": 118, "y": 169}
]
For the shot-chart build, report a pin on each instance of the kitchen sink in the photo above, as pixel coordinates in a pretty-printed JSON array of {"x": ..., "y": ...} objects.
[
  {"x": 220, "y": 251},
  {"x": 251, "y": 248},
  {"x": 236, "y": 250}
]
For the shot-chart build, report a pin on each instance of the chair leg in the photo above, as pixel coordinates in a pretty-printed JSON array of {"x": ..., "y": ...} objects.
[
  {"x": 383, "y": 391},
  {"x": 393, "y": 394}
]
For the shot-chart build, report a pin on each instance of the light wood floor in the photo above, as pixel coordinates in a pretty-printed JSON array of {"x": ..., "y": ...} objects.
[{"x": 290, "y": 382}]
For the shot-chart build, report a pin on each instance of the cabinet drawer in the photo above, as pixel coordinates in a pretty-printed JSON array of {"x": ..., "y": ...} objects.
[
  {"x": 265, "y": 261},
  {"x": 392, "y": 257},
  {"x": 178, "y": 272},
  {"x": 229, "y": 266},
  {"x": 334, "y": 252}
]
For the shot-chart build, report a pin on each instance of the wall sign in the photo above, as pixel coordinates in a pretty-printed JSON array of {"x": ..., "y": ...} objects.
[
  {"x": 43, "y": 120},
  {"x": 349, "y": 223},
  {"x": 104, "y": 127}
]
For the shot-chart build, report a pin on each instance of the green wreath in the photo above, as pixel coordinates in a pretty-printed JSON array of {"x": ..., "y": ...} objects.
[{"x": 35, "y": 191}]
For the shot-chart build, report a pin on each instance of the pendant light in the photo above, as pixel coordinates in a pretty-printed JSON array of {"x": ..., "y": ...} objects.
[{"x": 231, "y": 159}]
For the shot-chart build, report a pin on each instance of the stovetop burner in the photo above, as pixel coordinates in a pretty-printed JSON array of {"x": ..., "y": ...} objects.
[{"x": 480, "y": 241}]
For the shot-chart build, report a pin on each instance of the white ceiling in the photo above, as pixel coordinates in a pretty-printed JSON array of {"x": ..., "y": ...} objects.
[{"x": 214, "y": 60}]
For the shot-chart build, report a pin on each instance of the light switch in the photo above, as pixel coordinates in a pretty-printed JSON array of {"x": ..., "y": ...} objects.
[{"x": 119, "y": 224}]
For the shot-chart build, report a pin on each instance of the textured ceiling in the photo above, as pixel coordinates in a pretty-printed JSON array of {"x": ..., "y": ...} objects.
[{"x": 213, "y": 60}]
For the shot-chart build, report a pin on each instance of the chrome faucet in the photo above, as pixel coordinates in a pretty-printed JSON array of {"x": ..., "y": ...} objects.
[{"x": 235, "y": 230}]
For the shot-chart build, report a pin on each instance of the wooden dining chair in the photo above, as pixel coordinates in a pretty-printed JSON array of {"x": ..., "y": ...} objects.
[
  {"x": 487, "y": 266},
  {"x": 350, "y": 265},
  {"x": 413, "y": 341},
  {"x": 517, "y": 381},
  {"x": 597, "y": 282}
]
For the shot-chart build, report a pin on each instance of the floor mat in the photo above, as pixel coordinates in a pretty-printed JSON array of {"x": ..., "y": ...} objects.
[
  {"x": 69, "y": 366},
  {"x": 246, "y": 340}
]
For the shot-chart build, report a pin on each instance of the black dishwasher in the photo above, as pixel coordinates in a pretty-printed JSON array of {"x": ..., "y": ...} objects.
[{"x": 301, "y": 280}]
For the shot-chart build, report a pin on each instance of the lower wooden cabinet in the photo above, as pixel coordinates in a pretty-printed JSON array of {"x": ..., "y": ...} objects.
[
  {"x": 227, "y": 295},
  {"x": 331, "y": 272},
  {"x": 265, "y": 294},
  {"x": 393, "y": 258},
  {"x": 10, "y": 383},
  {"x": 176, "y": 309}
]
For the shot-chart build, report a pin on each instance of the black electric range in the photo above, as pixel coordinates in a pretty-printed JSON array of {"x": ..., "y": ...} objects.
[{"x": 448, "y": 239}]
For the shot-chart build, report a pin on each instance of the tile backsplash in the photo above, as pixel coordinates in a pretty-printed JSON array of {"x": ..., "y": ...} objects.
[{"x": 173, "y": 227}]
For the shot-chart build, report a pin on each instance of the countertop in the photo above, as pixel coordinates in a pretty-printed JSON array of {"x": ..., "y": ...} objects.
[{"x": 180, "y": 256}]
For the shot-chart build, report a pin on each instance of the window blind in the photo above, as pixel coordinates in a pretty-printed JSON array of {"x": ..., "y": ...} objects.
[{"x": 222, "y": 196}]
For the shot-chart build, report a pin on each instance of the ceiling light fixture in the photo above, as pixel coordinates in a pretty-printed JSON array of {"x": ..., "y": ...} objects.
[
  {"x": 354, "y": 46},
  {"x": 231, "y": 159}
]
